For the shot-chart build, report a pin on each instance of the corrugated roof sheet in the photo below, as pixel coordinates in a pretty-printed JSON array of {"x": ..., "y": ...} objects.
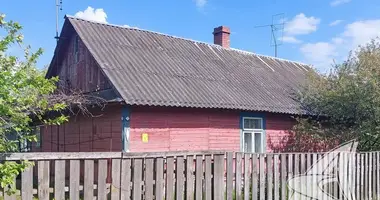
[{"x": 149, "y": 68}]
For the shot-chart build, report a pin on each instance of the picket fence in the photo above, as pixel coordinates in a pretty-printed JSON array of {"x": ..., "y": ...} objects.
[{"x": 183, "y": 175}]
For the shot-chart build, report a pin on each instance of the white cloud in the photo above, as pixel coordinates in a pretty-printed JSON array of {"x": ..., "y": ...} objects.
[
  {"x": 301, "y": 25},
  {"x": 291, "y": 39},
  {"x": 338, "y": 2},
  {"x": 200, "y": 3},
  {"x": 361, "y": 32},
  {"x": 337, "y": 40},
  {"x": 97, "y": 15},
  {"x": 336, "y": 22},
  {"x": 321, "y": 54}
]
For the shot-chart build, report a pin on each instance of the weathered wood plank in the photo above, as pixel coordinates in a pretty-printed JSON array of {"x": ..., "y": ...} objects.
[
  {"x": 362, "y": 191},
  {"x": 247, "y": 176},
  {"x": 59, "y": 179},
  {"x": 238, "y": 172},
  {"x": 88, "y": 180},
  {"x": 315, "y": 160},
  {"x": 102, "y": 176},
  {"x": 115, "y": 187},
  {"x": 357, "y": 174},
  {"x": 308, "y": 164},
  {"x": 198, "y": 178},
  {"x": 378, "y": 174},
  {"x": 290, "y": 167},
  {"x": 27, "y": 184},
  {"x": 366, "y": 183},
  {"x": 43, "y": 179},
  {"x": 208, "y": 177},
  {"x": 59, "y": 155},
  {"x": 296, "y": 172},
  {"x": 97, "y": 155},
  {"x": 269, "y": 176},
  {"x": 180, "y": 181},
  {"x": 262, "y": 176},
  {"x": 335, "y": 185},
  {"x": 374, "y": 173},
  {"x": 167, "y": 154},
  {"x": 137, "y": 178},
  {"x": 230, "y": 174},
  {"x": 276, "y": 177},
  {"x": 126, "y": 174},
  {"x": 190, "y": 177},
  {"x": 351, "y": 171},
  {"x": 149, "y": 173},
  {"x": 12, "y": 196},
  {"x": 302, "y": 170},
  {"x": 170, "y": 178},
  {"x": 283, "y": 176},
  {"x": 218, "y": 176},
  {"x": 74, "y": 179},
  {"x": 343, "y": 168},
  {"x": 254, "y": 178},
  {"x": 159, "y": 179},
  {"x": 370, "y": 178}
]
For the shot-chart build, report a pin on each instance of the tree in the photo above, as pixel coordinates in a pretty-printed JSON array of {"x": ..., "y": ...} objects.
[
  {"x": 345, "y": 103},
  {"x": 27, "y": 98}
]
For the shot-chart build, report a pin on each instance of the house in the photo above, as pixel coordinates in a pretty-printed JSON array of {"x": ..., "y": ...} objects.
[{"x": 167, "y": 93}]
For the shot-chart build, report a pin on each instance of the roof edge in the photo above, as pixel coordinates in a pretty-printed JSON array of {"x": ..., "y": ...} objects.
[{"x": 187, "y": 39}]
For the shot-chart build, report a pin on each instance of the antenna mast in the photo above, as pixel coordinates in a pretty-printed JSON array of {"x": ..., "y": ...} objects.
[
  {"x": 58, "y": 7},
  {"x": 277, "y": 30}
]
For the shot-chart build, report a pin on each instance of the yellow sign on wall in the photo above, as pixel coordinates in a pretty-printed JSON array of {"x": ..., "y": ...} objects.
[{"x": 145, "y": 137}]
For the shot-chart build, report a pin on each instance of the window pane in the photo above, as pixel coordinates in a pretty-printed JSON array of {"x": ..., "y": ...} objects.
[
  {"x": 252, "y": 123},
  {"x": 258, "y": 143},
  {"x": 247, "y": 142}
]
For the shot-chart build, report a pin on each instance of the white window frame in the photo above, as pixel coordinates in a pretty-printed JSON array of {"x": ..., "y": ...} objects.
[{"x": 253, "y": 132}]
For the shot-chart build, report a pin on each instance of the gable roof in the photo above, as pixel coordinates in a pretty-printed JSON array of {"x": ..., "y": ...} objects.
[{"x": 149, "y": 68}]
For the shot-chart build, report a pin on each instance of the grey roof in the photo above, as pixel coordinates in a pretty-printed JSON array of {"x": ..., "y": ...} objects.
[{"x": 149, "y": 68}]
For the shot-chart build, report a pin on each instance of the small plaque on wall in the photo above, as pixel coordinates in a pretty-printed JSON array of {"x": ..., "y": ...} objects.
[{"x": 145, "y": 137}]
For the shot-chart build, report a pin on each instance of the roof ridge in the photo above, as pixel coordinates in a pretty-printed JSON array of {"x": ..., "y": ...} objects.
[{"x": 187, "y": 39}]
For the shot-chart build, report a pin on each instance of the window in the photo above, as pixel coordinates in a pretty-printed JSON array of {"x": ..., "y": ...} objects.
[
  {"x": 24, "y": 145},
  {"x": 76, "y": 49},
  {"x": 253, "y": 135}
]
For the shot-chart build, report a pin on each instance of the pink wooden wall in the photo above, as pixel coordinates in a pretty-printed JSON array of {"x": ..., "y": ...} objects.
[
  {"x": 178, "y": 129},
  {"x": 168, "y": 129}
]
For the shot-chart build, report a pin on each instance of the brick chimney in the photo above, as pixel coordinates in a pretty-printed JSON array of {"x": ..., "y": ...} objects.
[{"x": 222, "y": 36}]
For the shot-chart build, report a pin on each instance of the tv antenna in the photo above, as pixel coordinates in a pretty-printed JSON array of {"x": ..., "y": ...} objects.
[
  {"x": 58, "y": 7},
  {"x": 277, "y": 30}
]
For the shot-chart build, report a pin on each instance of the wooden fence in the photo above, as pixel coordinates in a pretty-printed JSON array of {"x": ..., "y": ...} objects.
[{"x": 185, "y": 175}]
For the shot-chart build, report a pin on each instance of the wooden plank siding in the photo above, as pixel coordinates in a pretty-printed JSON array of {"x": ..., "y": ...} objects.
[{"x": 168, "y": 129}]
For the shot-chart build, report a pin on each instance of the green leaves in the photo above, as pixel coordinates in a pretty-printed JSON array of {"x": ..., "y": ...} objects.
[
  {"x": 24, "y": 99},
  {"x": 350, "y": 98}
]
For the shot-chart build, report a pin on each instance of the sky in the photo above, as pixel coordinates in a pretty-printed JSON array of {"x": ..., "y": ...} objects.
[{"x": 316, "y": 32}]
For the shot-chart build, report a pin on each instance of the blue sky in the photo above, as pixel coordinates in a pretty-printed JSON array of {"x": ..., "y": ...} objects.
[{"x": 316, "y": 31}]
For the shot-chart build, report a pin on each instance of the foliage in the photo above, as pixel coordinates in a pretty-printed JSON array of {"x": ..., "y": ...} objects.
[
  {"x": 24, "y": 98},
  {"x": 345, "y": 102}
]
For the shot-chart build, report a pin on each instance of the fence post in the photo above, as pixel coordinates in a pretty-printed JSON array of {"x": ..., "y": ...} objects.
[
  {"x": 219, "y": 176},
  {"x": 230, "y": 173}
]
